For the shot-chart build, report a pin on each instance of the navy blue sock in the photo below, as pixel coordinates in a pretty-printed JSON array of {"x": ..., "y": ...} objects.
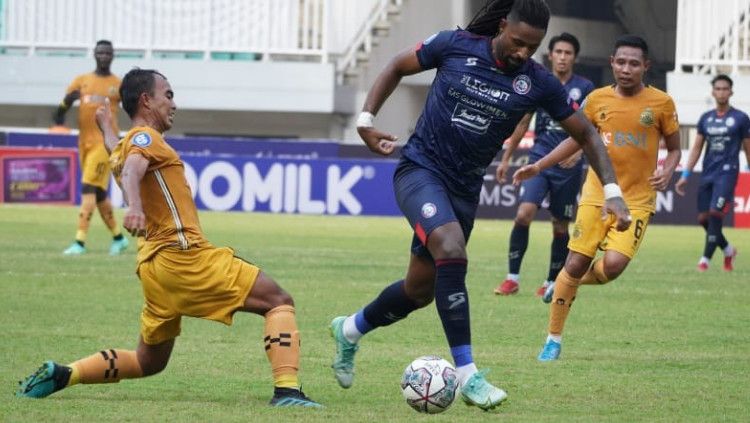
[
  {"x": 519, "y": 240},
  {"x": 713, "y": 235},
  {"x": 389, "y": 307},
  {"x": 558, "y": 254},
  {"x": 721, "y": 242},
  {"x": 452, "y": 303}
]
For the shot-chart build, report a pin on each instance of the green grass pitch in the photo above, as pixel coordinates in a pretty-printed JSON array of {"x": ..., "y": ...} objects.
[{"x": 662, "y": 343}]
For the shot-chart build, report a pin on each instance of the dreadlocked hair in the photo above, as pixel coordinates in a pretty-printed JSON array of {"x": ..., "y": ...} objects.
[{"x": 487, "y": 21}]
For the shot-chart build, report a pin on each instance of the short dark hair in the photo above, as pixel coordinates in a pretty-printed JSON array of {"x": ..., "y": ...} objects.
[
  {"x": 487, "y": 21},
  {"x": 629, "y": 40},
  {"x": 722, "y": 77},
  {"x": 533, "y": 12},
  {"x": 103, "y": 43},
  {"x": 135, "y": 83},
  {"x": 565, "y": 37}
]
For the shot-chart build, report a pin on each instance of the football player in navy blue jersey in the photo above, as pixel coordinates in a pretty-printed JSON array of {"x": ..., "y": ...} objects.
[
  {"x": 561, "y": 182},
  {"x": 724, "y": 130},
  {"x": 485, "y": 83}
]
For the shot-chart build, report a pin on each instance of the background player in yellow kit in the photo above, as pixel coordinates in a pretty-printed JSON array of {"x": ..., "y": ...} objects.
[
  {"x": 632, "y": 118},
  {"x": 91, "y": 89},
  {"x": 182, "y": 274}
]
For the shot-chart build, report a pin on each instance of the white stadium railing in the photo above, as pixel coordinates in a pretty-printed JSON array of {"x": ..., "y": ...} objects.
[
  {"x": 713, "y": 36},
  {"x": 323, "y": 30}
]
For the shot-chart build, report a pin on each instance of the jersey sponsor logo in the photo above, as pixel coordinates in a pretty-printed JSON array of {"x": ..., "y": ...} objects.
[
  {"x": 647, "y": 117},
  {"x": 575, "y": 94},
  {"x": 522, "y": 84},
  {"x": 623, "y": 139},
  {"x": 429, "y": 210},
  {"x": 471, "y": 61},
  {"x": 477, "y": 86},
  {"x": 730, "y": 121},
  {"x": 141, "y": 139},
  {"x": 471, "y": 119},
  {"x": 112, "y": 90}
]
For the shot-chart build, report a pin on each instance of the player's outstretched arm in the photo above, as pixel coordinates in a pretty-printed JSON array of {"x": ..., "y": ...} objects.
[
  {"x": 405, "y": 63},
  {"x": 104, "y": 121},
  {"x": 58, "y": 117},
  {"x": 584, "y": 133},
  {"x": 695, "y": 152},
  {"x": 662, "y": 176},
  {"x": 132, "y": 173},
  {"x": 512, "y": 145}
]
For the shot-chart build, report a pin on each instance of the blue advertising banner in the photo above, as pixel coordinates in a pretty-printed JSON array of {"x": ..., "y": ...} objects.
[{"x": 343, "y": 187}]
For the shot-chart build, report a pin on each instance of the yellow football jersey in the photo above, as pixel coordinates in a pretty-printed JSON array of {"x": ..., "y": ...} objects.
[
  {"x": 631, "y": 128},
  {"x": 171, "y": 215},
  {"x": 94, "y": 89}
]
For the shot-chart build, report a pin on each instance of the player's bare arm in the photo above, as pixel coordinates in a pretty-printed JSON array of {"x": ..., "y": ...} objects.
[
  {"x": 695, "y": 152},
  {"x": 405, "y": 63},
  {"x": 662, "y": 176},
  {"x": 584, "y": 133},
  {"x": 132, "y": 173},
  {"x": 104, "y": 121},
  {"x": 59, "y": 116},
  {"x": 512, "y": 145}
]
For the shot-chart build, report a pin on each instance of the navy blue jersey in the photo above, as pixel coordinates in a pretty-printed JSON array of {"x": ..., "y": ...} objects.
[
  {"x": 473, "y": 106},
  {"x": 723, "y": 135},
  {"x": 548, "y": 133}
]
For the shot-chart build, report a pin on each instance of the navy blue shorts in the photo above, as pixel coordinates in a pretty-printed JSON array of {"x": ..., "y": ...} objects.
[
  {"x": 717, "y": 193},
  {"x": 562, "y": 190},
  {"x": 427, "y": 203}
]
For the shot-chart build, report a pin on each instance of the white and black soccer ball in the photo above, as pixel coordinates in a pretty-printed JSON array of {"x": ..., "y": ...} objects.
[{"x": 429, "y": 384}]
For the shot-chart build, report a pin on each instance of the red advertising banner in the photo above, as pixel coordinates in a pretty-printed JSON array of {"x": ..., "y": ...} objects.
[
  {"x": 742, "y": 201},
  {"x": 31, "y": 175}
]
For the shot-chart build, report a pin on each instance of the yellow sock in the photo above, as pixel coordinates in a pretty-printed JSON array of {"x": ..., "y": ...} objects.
[
  {"x": 595, "y": 275},
  {"x": 106, "y": 366},
  {"x": 88, "y": 204},
  {"x": 108, "y": 216},
  {"x": 566, "y": 287},
  {"x": 282, "y": 346}
]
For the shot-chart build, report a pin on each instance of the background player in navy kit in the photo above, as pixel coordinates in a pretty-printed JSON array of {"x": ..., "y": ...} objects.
[
  {"x": 562, "y": 182},
  {"x": 726, "y": 129},
  {"x": 485, "y": 84}
]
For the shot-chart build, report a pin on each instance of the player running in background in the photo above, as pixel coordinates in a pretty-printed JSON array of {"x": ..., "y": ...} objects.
[
  {"x": 92, "y": 89},
  {"x": 485, "y": 84},
  {"x": 561, "y": 182},
  {"x": 632, "y": 118},
  {"x": 182, "y": 274},
  {"x": 726, "y": 129}
]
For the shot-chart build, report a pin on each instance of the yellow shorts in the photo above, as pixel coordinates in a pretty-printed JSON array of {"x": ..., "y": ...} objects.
[
  {"x": 591, "y": 232},
  {"x": 95, "y": 166},
  {"x": 206, "y": 282}
]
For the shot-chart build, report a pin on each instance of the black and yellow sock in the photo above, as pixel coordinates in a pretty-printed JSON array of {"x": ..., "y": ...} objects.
[
  {"x": 282, "y": 346},
  {"x": 566, "y": 288},
  {"x": 106, "y": 366}
]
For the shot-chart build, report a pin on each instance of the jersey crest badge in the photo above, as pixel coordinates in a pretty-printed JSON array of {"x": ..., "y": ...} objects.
[
  {"x": 428, "y": 210},
  {"x": 575, "y": 94},
  {"x": 522, "y": 84},
  {"x": 730, "y": 121},
  {"x": 647, "y": 117},
  {"x": 141, "y": 139}
]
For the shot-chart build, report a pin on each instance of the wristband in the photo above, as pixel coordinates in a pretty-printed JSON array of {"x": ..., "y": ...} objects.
[
  {"x": 365, "y": 120},
  {"x": 612, "y": 190},
  {"x": 685, "y": 173}
]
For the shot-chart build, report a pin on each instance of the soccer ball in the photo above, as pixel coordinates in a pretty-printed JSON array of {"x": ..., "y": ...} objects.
[{"x": 429, "y": 384}]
